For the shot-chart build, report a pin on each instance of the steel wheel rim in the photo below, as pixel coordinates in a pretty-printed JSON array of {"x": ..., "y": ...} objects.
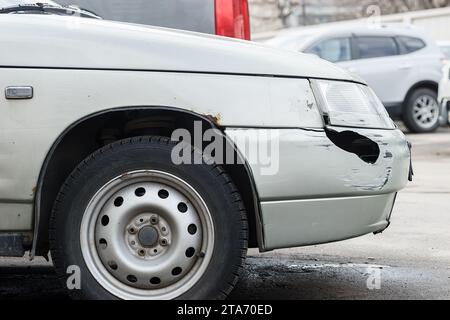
[
  {"x": 122, "y": 268},
  {"x": 426, "y": 111}
]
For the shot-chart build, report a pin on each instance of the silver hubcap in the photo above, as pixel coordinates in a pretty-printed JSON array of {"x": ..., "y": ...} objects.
[
  {"x": 426, "y": 111},
  {"x": 147, "y": 235}
]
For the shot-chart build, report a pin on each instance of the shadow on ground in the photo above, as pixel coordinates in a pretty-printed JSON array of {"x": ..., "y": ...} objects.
[{"x": 273, "y": 279}]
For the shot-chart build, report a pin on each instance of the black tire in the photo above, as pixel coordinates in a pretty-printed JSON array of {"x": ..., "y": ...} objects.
[
  {"x": 150, "y": 153},
  {"x": 408, "y": 112}
]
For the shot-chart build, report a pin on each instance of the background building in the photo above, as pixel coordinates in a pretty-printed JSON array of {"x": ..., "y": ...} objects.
[{"x": 269, "y": 15}]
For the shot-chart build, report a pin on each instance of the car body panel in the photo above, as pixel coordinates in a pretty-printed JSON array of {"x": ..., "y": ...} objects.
[
  {"x": 311, "y": 166},
  {"x": 445, "y": 48},
  {"x": 392, "y": 77},
  {"x": 322, "y": 193},
  {"x": 16, "y": 216},
  {"x": 444, "y": 84},
  {"x": 444, "y": 94},
  {"x": 33, "y": 40},
  {"x": 270, "y": 102},
  {"x": 298, "y": 223}
]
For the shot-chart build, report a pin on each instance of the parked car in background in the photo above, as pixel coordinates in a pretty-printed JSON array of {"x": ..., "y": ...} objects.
[
  {"x": 444, "y": 93},
  {"x": 445, "y": 48},
  {"x": 228, "y": 18},
  {"x": 100, "y": 108},
  {"x": 399, "y": 62}
]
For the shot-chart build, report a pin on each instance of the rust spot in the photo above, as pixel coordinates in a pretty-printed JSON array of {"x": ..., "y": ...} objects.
[{"x": 215, "y": 118}]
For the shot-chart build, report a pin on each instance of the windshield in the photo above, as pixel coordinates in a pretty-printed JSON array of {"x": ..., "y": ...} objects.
[
  {"x": 10, "y": 3},
  {"x": 43, "y": 7}
]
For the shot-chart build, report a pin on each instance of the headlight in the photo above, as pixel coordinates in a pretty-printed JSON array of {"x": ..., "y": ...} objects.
[{"x": 351, "y": 105}]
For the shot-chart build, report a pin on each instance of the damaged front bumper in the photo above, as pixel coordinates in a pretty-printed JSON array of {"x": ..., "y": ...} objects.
[{"x": 329, "y": 185}]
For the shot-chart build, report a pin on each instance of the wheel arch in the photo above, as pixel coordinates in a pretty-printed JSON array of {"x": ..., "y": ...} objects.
[{"x": 87, "y": 135}]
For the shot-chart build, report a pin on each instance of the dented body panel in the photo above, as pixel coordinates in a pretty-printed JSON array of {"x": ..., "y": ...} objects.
[
  {"x": 322, "y": 193},
  {"x": 312, "y": 166}
]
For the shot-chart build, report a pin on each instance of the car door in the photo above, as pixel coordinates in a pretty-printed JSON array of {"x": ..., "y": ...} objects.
[
  {"x": 378, "y": 61},
  {"x": 335, "y": 49}
]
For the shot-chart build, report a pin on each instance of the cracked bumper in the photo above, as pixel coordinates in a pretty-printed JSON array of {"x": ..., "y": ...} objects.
[{"x": 323, "y": 194}]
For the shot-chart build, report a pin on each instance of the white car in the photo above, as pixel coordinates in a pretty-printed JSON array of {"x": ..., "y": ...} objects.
[
  {"x": 93, "y": 172},
  {"x": 444, "y": 85},
  {"x": 445, "y": 48},
  {"x": 400, "y": 63}
]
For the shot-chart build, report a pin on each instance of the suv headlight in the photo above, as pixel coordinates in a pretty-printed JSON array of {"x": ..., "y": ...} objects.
[{"x": 350, "y": 105}]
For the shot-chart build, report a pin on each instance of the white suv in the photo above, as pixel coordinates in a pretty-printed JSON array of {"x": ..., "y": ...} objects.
[{"x": 399, "y": 62}]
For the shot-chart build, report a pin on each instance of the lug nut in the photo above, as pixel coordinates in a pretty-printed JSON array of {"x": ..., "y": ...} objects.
[
  {"x": 141, "y": 253},
  {"x": 164, "y": 231},
  {"x": 154, "y": 220},
  {"x": 164, "y": 242},
  {"x": 132, "y": 230}
]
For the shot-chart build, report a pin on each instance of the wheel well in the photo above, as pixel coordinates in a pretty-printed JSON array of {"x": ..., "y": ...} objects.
[
  {"x": 93, "y": 132},
  {"x": 423, "y": 84}
]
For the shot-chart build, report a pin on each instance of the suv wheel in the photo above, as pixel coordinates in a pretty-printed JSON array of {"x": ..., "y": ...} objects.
[
  {"x": 422, "y": 111},
  {"x": 139, "y": 227}
]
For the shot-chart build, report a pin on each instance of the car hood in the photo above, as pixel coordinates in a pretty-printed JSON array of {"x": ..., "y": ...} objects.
[{"x": 68, "y": 42}]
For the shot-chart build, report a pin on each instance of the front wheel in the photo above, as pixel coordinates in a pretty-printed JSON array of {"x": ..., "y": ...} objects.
[
  {"x": 421, "y": 114},
  {"x": 139, "y": 227}
]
